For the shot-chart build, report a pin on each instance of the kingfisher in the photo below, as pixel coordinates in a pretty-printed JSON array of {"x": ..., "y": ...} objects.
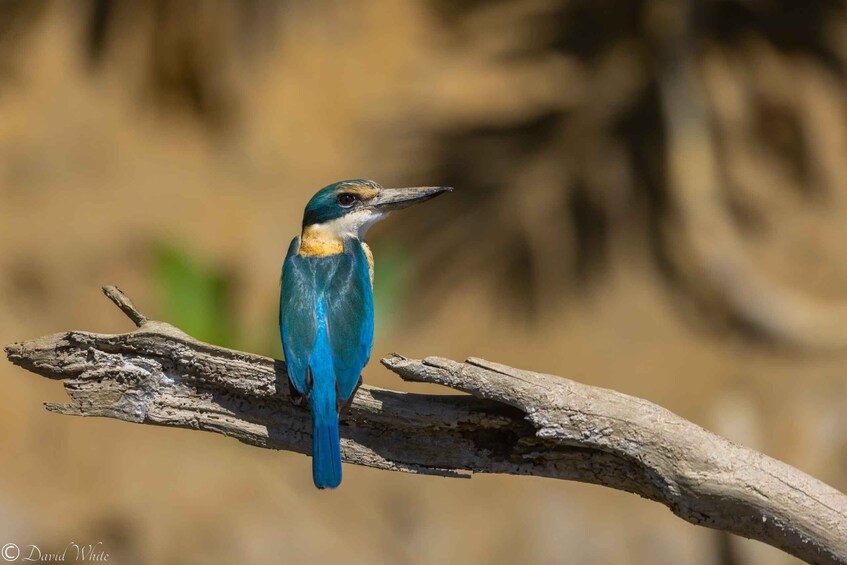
[{"x": 326, "y": 306}]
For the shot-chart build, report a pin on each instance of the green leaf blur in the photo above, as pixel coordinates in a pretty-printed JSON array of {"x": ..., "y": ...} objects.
[
  {"x": 390, "y": 284},
  {"x": 193, "y": 295}
]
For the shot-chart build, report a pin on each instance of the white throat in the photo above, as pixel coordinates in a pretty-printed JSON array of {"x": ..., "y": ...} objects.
[{"x": 355, "y": 224}]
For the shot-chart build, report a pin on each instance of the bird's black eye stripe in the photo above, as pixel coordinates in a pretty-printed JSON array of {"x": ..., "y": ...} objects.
[{"x": 346, "y": 199}]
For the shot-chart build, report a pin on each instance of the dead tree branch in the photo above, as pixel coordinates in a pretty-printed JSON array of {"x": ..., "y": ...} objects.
[{"x": 513, "y": 421}]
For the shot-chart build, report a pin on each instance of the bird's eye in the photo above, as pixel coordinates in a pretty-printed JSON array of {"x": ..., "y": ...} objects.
[{"x": 346, "y": 199}]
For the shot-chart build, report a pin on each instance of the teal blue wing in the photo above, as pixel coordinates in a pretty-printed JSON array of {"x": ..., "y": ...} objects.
[
  {"x": 343, "y": 283},
  {"x": 298, "y": 315},
  {"x": 350, "y": 314}
]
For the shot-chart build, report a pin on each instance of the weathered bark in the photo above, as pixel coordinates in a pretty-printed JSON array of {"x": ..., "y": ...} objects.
[{"x": 513, "y": 421}]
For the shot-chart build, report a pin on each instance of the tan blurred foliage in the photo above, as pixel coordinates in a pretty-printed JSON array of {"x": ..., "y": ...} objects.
[{"x": 209, "y": 124}]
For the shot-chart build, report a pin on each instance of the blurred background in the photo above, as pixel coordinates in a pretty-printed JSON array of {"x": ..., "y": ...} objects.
[{"x": 650, "y": 196}]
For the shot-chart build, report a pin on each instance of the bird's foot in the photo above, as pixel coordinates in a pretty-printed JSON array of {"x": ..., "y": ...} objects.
[{"x": 295, "y": 396}]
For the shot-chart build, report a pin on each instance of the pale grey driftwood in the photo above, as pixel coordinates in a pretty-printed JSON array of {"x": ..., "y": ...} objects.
[{"x": 513, "y": 421}]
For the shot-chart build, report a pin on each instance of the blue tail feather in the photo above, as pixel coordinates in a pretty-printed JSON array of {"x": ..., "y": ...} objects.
[
  {"x": 326, "y": 451},
  {"x": 326, "y": 448}
]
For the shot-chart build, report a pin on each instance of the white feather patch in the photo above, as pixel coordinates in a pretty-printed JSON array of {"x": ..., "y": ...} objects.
[{"x": 355, "y": 224}]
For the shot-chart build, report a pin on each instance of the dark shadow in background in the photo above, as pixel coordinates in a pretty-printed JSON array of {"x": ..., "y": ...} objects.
[{"x": 196, "y": 48}]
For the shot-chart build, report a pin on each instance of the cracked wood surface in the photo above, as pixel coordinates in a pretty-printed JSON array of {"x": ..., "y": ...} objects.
[{"x": 512, "y": 421}]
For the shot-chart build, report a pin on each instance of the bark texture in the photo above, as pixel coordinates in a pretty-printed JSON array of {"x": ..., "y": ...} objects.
[{"x": 512, "y": 421}]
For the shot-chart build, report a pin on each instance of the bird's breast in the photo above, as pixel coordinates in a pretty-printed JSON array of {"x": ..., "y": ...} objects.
[{"x": 370, "y": 257}]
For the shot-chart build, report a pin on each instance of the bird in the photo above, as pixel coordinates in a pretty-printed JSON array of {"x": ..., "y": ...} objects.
[{"x": 326, "y": 307}]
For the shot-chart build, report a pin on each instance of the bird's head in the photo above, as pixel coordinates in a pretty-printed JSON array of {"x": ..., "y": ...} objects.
[{"x": 348, "y": 208}]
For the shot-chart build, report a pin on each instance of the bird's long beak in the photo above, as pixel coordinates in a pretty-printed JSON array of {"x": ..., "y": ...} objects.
[{"x": 395, "y": 198}]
